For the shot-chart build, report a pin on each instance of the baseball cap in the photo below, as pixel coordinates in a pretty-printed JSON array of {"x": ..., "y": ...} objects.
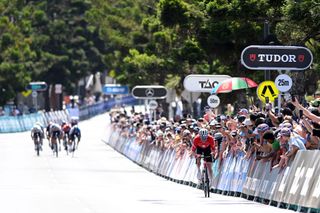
[
  {"x": 243, "y": 111},
  {"x": 213, "y": 123},
  {"x": 287, "y": 125},
  {"x": 261, "y": 128},
  {"x": 247, "y": 122},
  {"x": 285, "y": 132}
]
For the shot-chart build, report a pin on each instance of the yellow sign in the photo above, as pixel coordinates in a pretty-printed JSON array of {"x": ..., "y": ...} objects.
[
  {"x": 267, "y": 90},
  {"x": 26, "y": 93}
]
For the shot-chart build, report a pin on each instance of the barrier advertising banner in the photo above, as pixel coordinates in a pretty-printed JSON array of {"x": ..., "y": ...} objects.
[{"x": 297, "y": 184}]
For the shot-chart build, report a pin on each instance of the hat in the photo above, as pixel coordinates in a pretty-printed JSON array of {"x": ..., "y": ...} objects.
[
  {"x": 218, "y": 126},
  {"x": 159, "y": 133},
  {"x": 213, "y": 123},
  {"x": 287, "y": 125},
  {"x": 243, "y": 111},
  {"x": 218, "y": 136},
  {"x": 285, "y": 132},
  {"x": 183, "y": 126},
  {"x": 186, "y": 132},
  {"x": 247, "y": 122},
  {"x": 261, "y": 128}
]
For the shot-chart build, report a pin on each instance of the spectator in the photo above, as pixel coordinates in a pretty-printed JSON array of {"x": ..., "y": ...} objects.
[
  {"x": 274, "y": 154},
  {"x": 292, "y": 143}
]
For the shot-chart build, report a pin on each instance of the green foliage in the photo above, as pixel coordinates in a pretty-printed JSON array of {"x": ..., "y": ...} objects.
[
  {"x": 144, "y": 41},
  {"x": 173, "y": 12}
]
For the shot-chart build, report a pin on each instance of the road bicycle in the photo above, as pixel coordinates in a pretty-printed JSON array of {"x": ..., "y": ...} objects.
[
  {"x": 65, "y": 142},
  {"x": 73, "y": 145},
  {"x": 54, "y": 143},
  {"x": 205, "y": 181},
  {"x": 37, "y": 142}
]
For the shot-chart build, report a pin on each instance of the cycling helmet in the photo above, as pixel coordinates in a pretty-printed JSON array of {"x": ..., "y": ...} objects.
[
  {"x": 203, "y": 134},
  {"x": 74, "y": 122},
  {"x": 38, "y": 124},
  {"x": 63, "y": 123}
]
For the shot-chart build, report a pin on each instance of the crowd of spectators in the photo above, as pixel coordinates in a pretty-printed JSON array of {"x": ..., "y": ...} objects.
[{"x": 262, "y": 134}]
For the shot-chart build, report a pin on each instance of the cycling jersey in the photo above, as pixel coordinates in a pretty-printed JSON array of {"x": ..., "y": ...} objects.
[
  {"x": 37, "y": 129},
  {"x": 204, "y": 148},
  {"x": 75, "y": 131},
  {"x": 55, "y": 129},
  {"x": 197, "y": 143},
  {"x": 66, "y": 128}
]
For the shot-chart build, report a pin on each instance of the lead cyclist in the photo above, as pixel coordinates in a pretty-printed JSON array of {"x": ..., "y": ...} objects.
[{"x": 204, "y": 144}]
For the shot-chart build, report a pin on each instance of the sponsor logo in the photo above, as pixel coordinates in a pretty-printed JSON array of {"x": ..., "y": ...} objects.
[
  {"x": 276, "y": 58},
  {"x": 207, "y": 84},
  {"x": 301, "y": 58},
  {"x": 252, "y": 57},
  {"x": 149, "y": 92}
]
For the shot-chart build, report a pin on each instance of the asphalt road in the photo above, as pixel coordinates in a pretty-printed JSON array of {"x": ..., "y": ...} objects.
[{"x": 96, "y": 180}]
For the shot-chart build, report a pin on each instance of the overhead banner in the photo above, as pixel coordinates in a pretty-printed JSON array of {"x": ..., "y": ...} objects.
[
  {"x": 203, "y": 83},
  {"x": 267, "y": 57}
]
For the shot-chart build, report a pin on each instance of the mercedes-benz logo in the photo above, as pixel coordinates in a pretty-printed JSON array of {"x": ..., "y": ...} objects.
[{"x": 149, "y": 92}]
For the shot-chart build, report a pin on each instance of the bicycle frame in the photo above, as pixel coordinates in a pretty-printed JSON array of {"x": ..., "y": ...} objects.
[{"x": 205, "y": 176}]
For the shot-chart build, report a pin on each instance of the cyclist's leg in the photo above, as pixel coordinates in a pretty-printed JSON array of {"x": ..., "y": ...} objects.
[
  {"x": 198, "y": 163},
  {"x": 209, "y": 159}
]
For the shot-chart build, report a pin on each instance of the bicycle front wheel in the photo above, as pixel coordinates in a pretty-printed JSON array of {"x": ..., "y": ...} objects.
[{"x": 206, "y": 186}]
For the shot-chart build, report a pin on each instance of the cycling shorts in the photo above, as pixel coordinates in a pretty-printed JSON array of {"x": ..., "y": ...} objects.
[
  {"x": 74, "y": 135},
  {"x": 57, "y": 133},
  {"x": 206, "y": 152}
]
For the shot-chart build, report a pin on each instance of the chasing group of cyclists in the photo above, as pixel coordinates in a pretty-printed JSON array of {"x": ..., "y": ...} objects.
[{"x": 68, "y": 133}]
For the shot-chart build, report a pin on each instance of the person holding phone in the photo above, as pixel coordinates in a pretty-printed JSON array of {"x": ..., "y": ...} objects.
[{"x": 305, "y": 111}]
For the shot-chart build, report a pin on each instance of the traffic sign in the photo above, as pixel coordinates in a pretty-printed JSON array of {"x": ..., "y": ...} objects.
[
  {"x": 267, "y": 57},
  {"x": 283, "y": 83},
  {"x": 153, "y": 104},
  {"x": 37, "y": 86},
  {"x": 213, "y": 101},
  {"x": 267, "y": 91},
  {"x": 149, "y": 92},
  {"x": 203, "y": 83},
  {"x": 113, "y": 89},
  {"x": 34, "y": 94}
]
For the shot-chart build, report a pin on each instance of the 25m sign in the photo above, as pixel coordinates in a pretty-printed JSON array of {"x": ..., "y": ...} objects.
[{"x": 266, "y": 57}]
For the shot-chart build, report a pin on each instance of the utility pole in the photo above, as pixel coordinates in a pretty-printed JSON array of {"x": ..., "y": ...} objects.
[{"x": 266, "y": 33}]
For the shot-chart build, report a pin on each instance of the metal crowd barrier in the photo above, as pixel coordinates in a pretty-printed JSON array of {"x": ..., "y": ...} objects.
[
  {"x": 10, "y": 124},
  {"x": 297, "y": 187}
]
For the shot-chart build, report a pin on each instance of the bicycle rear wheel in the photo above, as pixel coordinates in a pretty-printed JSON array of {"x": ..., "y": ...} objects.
[{"x": 38, "y": 147}]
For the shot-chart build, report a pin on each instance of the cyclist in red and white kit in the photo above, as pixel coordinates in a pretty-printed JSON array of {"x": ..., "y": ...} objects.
[{"x": 204, "y": 144}]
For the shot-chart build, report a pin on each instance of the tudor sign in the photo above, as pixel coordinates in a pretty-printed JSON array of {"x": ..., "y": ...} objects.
[{"x": 276, "y": 57}]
